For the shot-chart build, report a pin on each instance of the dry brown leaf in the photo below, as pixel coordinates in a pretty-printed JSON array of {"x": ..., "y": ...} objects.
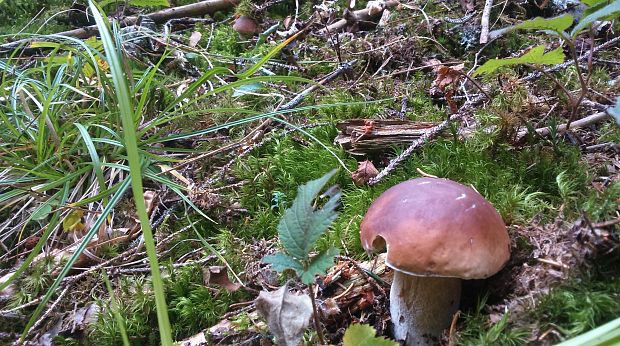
[
  {"x": 218, "y": 275},
  {"x": 365, "y": 171},
  {"x": 288, "y": 315},
  {"x": 446, "y": 75}
]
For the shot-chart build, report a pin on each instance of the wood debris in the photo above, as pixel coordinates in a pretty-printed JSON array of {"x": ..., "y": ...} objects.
[{"x": 364, "y": 136}]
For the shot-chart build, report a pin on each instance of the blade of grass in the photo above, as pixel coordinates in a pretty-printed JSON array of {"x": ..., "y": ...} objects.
[{"x": 127, "y": 117}]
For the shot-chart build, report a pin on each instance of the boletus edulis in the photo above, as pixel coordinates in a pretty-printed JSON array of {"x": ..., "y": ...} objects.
[{"x": 436, "y": 232}]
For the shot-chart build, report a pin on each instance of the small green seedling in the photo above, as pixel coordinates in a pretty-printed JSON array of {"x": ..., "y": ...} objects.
[{"x": 300, "y": 228}]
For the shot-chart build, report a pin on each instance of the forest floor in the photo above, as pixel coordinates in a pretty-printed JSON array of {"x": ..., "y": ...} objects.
[{"x": 229, "y": 125}]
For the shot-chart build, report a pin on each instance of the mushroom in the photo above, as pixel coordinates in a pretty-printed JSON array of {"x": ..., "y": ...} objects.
[
  {"x": 437, "y": 232},
  {"x": 246, "y": 26}
]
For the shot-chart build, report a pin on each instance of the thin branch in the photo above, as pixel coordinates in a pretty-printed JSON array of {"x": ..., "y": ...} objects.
[{"x": 484, "y": 22}]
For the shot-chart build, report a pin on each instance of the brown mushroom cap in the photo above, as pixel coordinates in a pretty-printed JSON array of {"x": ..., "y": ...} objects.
[
  {"x": 246, "y": 26},
  {"x": 437, "y": 227}
]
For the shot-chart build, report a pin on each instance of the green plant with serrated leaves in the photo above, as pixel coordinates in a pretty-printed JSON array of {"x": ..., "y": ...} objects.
[
  {"x": 535, "y": 55},
  {"x": 300, "y": 228},
  {"x": 558, "y": 27},
  {"x": 364, "y": 335}
]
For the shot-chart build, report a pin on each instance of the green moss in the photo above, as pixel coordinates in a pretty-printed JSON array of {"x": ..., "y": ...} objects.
[
  {"x": 478, "y": 331},
  {"x": 192, "y": 307},
  {"x": 601, "y": 206},
  {"x": 225, "y": 40},
  {"x": 580, "y": 305}
]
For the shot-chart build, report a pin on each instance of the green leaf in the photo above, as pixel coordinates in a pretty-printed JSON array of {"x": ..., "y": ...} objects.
[
  {"x": 282, "y": 262},
  {"x": 124, "y": 98},
  {"x": 42, "y": 211},
  {"x": 536, "y": 56},
  {"x": 73, "y": 221},
  {"x": 558, "y": 24},
  {"x": 149, "y": 3},
  {"x": 592, "y": 3},
  {"x": 301, "y": 225},
  {"x": 247, "y": 89},
  {"x": 319, "y": 265},
  {"x": 364, "y": 335},
  {"x": 612, "y": 9}
]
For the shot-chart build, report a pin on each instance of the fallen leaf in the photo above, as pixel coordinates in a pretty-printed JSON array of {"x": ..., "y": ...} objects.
[
  {"x": 375, "y": 7},
  {"x": 150, "y": 198},
  {"x": 288, "y": 315},
  {"x": 194, "y": 38},
  {"x": 218, "y": 275},
  {"x": 446, "y": 75},
  {"x": 365, "y": 171},
  {"x": 73, "y": 221}
]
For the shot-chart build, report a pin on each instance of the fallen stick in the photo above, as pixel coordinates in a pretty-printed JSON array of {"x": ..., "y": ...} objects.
[
  {"x": 484, "y": 22},
  {"x": 359, "y": 15},
  {"x": 432, "y": 133},
  {"x": 589, "y": 120},
  {"x": 191, "y": 10}
]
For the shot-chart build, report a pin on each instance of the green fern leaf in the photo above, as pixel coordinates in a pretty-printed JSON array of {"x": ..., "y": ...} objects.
[
  {"x": 557, "y": 24},
  {"x": 536, "y": 56},
  {"x": 319, "y": 265},
  {"x": 364, "y": 335},
  {"x": 301, "y": 225}
]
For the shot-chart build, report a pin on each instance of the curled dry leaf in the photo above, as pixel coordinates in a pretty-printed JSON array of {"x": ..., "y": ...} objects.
[
  {"x": 446, "y": 75},
  {"x": 218, "y": 275},
  {"x": 288, "y": 315},
  {"x": 365, "y": 171}
]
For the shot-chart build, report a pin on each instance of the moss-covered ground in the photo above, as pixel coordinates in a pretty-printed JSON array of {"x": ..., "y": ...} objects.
[{"x": 540, "y": 179}]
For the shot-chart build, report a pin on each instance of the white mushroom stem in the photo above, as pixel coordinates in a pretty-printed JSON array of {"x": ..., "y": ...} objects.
[{"x": 422, "y": 307}]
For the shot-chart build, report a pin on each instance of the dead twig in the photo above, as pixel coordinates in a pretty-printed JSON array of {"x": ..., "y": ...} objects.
[
  {"x": 484, "y": 22},
  {"x": 546, "y": 131},
  {"x": 430, "y": 134}
]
